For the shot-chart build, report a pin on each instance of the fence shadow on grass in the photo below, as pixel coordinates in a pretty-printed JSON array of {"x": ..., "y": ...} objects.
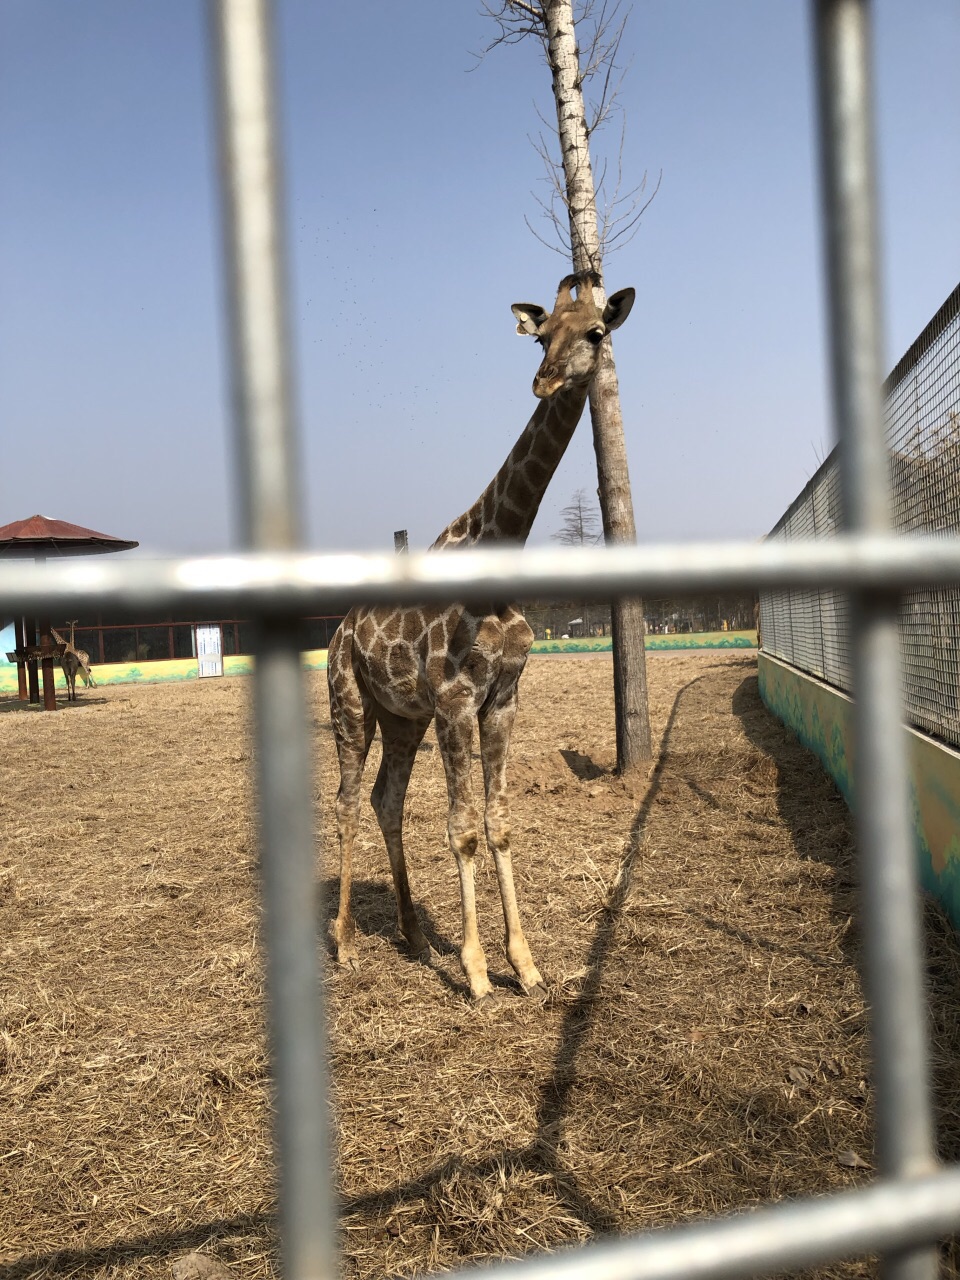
[
  {"x": 802, "y": 786},
  {"x": 147, "y": 1244},
  {"x": 808, "y": 802}
]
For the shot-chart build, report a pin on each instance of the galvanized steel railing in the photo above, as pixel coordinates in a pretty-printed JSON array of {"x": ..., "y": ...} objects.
[{"x": 912, "y": 1204}]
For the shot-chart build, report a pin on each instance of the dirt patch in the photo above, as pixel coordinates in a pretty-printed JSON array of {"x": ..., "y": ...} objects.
[{"x": 702, "y": 1046}]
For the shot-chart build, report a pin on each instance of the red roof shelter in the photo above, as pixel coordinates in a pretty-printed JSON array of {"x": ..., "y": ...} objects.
[{"x": 43, "y": 539}]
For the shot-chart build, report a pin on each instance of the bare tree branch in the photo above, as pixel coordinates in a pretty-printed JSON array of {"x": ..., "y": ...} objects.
[
  {"x": 600, "y": 27},
  {"x": 516, "y": 19}
]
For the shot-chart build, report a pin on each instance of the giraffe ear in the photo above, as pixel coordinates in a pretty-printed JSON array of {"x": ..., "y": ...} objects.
[
  {"x": 618, "y": 308},
  {"x": 529, "y": 317}
]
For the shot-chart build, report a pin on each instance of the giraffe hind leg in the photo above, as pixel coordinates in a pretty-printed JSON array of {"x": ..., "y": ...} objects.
[
  {"x": 353, "y": 719},
  {"x": 400, "y": 738},
  {"x": 455, "y": 724}
]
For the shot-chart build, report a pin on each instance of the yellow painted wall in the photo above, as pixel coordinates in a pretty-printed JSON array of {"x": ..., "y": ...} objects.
[{"x": 157, "y": 672}]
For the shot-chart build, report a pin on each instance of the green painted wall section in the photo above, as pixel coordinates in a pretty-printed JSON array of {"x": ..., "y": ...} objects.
[
  {"x": 695, "y": 640},
  {"x": 822, "y": 718}
]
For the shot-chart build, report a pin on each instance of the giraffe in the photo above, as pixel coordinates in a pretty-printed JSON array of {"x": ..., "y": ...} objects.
[
  {"x": 459, "y": 667},
  {"x": 73, "y": 660}
]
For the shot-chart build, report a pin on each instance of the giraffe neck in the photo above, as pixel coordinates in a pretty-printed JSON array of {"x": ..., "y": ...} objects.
[{"x": 507, "y": 508}]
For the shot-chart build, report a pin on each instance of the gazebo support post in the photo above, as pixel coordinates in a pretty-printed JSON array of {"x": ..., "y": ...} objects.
[
  {"x": 46, "y": 666},
  {"x": 20, "y": 643},
  {"x": 33, "y": 680}
]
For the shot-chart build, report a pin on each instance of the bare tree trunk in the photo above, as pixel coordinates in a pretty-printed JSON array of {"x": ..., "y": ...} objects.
[{"x": 616, "y": 504}]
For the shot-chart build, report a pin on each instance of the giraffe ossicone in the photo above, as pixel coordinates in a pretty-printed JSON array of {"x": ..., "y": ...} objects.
[{"x": 458, "y": 667}]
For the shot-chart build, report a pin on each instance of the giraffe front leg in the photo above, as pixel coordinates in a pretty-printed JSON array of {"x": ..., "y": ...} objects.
[
  {"x": 496, "y": 725},
  {"x": 455, "y": 740},
  {"x": 343, "y": 930},
  {"x": 353, "y": 731}
]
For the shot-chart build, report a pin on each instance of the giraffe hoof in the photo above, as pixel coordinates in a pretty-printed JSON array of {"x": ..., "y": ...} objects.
[
  {"x": 348, "y": 959},
  {"x": 489, "y": 1000},
  {"x": 418, "y": 948},
  {"x": 422, "y": 952},
  {"x": 537, "y": 992}
]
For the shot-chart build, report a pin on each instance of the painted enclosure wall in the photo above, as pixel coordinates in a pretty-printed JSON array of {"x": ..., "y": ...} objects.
[
  {"x": 691, "y": 640},
  {"x": 316, "y": 659},
  {"x": 156, "y": 672},
  {"x": 821, "y": 717}
]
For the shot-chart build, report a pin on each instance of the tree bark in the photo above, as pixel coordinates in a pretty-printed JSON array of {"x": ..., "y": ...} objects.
[{"x": 616, "y": 503}]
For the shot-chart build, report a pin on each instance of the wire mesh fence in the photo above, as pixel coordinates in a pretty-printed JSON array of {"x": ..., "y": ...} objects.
[{"x": 810, "y": 629}]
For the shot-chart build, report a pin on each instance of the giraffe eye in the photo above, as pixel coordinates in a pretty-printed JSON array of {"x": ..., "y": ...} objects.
[{"x": 596, "y": 336}]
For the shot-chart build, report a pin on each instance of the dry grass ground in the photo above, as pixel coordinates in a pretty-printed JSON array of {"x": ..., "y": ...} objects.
[{"x": 702, "y": 1046}]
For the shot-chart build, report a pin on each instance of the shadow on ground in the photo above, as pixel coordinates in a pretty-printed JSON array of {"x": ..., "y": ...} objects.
[{"x": 803, "y": 787}]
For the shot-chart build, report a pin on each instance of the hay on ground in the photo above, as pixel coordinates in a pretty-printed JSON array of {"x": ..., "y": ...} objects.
[{"x": 702, "y": 1046}]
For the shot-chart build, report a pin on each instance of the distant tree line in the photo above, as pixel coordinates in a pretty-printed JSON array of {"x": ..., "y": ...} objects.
[{"x": 580, "y": 527}]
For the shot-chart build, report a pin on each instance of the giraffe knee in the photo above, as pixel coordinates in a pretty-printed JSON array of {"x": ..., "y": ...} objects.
[
  {"x": 464, "y": 842},
  {"x": 347, "y": 822},
  {"x": 498, "y": 834}
]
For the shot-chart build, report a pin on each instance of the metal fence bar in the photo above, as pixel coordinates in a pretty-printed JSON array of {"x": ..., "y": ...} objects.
[
  {"x": 270, "y": 509},
  {"x": 306, "y": 584},
  {"x": 889, "y": 893},
  {"x": 765, "y": 1241}
]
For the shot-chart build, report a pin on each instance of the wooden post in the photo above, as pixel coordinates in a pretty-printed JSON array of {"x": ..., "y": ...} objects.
[
  {"x": 33, "y": 681},
  {"x": 46, "y": 666},
  {"x": 401, "y": 544},
  {"x": 20, "y": 643}
]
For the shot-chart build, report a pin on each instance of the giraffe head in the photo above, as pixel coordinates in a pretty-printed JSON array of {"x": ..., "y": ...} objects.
[{"x": 572, "y": 334}]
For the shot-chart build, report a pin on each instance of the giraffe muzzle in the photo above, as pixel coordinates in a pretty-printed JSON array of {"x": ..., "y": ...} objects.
[{"x": 547, "y": 383}]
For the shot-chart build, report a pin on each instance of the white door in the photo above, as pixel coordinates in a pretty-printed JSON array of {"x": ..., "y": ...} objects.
[{"x": 209, "y": 651}]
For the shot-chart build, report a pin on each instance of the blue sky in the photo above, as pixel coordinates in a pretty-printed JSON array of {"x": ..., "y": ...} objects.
[{"x": 409, "y": 172}]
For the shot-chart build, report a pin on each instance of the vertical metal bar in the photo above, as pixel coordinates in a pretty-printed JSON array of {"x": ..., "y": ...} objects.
[
  {"x": 250, "y": 179},
  {"x": 271, "y": 521},
  {"x": 892, "y": 941}
]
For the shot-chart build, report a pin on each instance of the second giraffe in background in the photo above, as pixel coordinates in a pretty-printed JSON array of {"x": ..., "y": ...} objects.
[{"x": 73, "y": 661}]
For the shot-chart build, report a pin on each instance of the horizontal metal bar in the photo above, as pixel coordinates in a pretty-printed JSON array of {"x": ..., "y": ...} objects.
[
  {"x": 778, "y": 1238},
  {"x": 293, "y": 584}
]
